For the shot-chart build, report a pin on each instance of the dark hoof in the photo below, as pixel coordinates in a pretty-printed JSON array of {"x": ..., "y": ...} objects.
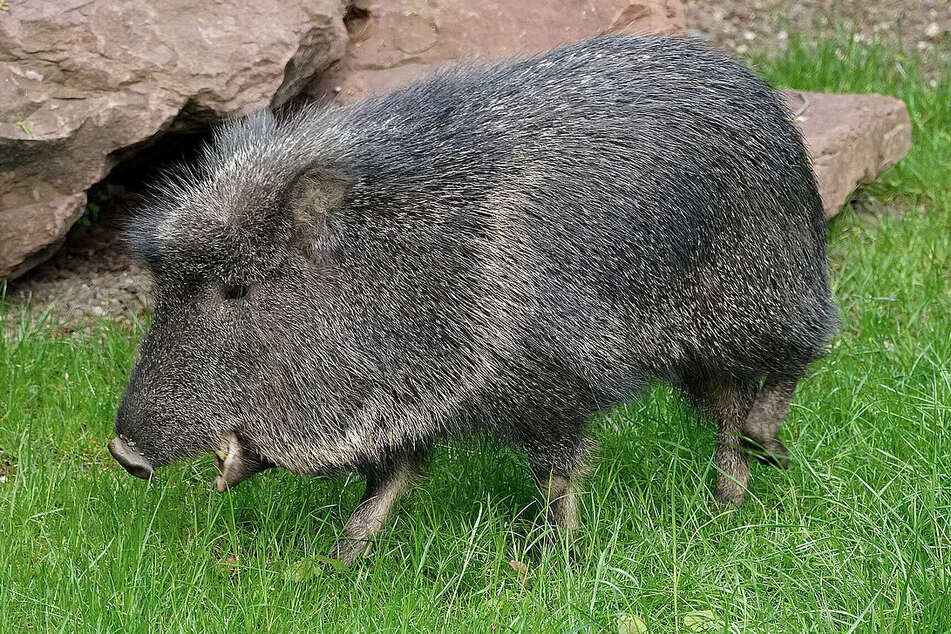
[
  {"x": 349, "y": 551},
  {"x": 775, "y": 455},
  {"x": 773, "y": 460},
  {"x": 728, "y": 499}
]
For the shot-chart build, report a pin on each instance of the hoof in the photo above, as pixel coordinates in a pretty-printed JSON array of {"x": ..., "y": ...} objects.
[
  {"x": 348, "y": 551},
  {"x": 774, "y": 455},
  {"x": 727, "y": 499}
]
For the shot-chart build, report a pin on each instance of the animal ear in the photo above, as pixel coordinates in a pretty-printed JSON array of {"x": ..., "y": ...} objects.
[{"x": 315, "y": 195}]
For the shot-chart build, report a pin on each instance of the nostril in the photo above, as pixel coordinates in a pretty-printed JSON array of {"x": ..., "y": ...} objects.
[{"x": 130, "y": 458}]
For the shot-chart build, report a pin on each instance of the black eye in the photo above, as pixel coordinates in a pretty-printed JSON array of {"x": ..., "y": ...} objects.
[{"x": 236, "y": 291}]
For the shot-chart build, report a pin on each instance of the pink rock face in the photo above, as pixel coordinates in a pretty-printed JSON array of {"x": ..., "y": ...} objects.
[
  {"x": 851, "y": 139},
  {"x": 81, "y": 80},
  {"x": 394, "y": 42}
]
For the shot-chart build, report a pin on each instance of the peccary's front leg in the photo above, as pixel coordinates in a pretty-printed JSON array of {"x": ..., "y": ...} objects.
[{"x": 384, "y": 487}]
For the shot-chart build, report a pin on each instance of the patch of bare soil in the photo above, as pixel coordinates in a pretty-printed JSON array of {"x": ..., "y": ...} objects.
[
  {"x": 90, "y": 278},
  {"x": 8, "y": 467}
]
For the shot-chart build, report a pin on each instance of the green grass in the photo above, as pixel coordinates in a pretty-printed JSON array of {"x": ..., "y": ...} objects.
[{"x": 854, "y": 537}]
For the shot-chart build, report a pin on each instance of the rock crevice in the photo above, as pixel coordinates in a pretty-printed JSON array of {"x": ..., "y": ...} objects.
[{"x": 84, "y": 81}]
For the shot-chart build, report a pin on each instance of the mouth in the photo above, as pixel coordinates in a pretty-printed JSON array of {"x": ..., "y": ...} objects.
[
  {"x": 131, "y": 459},
  {"x": 236, "y": 463}
]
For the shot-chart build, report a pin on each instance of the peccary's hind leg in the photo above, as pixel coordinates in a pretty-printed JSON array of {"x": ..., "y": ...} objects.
[
  {"x": 561, "y": 503},
  {"x": 557, "y": 463},
  {"x": 766, "y": 419},
  {"x": 728, "y": 401},
  {"x": 384, "y": 487},
  {"x": 731, "y": 402}
]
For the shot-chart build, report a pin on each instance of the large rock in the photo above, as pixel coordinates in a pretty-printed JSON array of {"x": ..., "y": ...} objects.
[
  {"x": 851, "y": 139},
  {"x": 396, "y": 41},
  {"x": 81, "y": 81}
]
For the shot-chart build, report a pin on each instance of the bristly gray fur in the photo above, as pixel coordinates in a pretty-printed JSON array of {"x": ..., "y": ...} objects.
[{"x": 500, "y": 250}]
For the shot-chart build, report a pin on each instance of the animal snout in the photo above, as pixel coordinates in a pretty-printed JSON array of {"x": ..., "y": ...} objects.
[{"x": 130, "y": 458}]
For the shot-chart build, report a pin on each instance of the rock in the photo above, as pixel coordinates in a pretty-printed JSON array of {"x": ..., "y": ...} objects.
[
  {"x": 393, "y": 42},
  {"x": 82, "y": 81},
  {"x": 851, "y": 139}
]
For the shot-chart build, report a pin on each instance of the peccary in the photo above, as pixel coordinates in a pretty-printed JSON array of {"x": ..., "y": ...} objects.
[{"x": 499, "y": 250}]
